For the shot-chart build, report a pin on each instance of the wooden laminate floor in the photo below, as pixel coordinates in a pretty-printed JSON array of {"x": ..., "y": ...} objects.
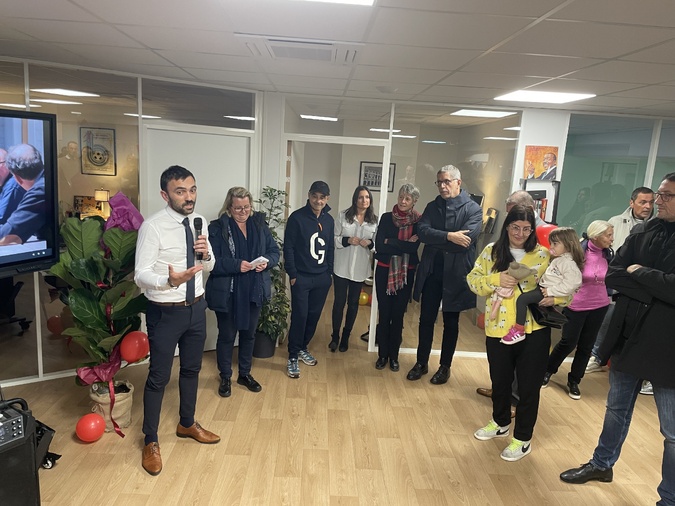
[{"x": 344, "y": 434}]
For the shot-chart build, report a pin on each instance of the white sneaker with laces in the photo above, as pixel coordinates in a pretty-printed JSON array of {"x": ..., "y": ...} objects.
[
  {"x": 490, "y": 431},
  {"x": 516, "y": 450},
  {"x": 593, "y": 366},
  {"x": 306, "y": 357},
  {"x": 647, "y": 388}
]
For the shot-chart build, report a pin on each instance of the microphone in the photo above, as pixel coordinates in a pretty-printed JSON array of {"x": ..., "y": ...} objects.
[{"x": 198, "y": 232}]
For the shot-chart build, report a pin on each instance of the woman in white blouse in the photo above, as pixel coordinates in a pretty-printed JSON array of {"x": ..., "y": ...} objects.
[{"x": 354, "y": 235}]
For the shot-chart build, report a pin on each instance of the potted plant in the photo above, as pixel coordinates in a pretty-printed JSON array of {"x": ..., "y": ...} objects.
[
  {"x": 97, "y": 271},
  {"x": 274, "y": 313}
]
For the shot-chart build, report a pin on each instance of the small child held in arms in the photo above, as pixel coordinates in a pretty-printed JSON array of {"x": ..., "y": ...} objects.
[{"x": 561, "y": 279}]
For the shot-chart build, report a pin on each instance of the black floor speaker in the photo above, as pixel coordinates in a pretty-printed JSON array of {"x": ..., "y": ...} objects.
[{"x": 19, "y": 480}]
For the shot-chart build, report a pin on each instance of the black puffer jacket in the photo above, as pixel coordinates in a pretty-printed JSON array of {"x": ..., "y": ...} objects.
[{"x": 641, "y": 331}]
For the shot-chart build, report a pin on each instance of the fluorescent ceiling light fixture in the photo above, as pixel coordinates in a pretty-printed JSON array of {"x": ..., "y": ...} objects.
[
  {"x": 515, "y": 129},
  {"x": 65, "y": 93},
  {"x": 75, "y": 112},
  {"x": 318, "y": 118},
  {"x": 347, "y": 2},
  {"x": 475, "y": 113},
  {"x": 385, "y": 130},
  {"x": 55, "y": 101},
  {"x": 18, "y": 106},
  {"x": 405, "y": 136},
  {"x": 144, "y": 116},
  {"x": 241, "y": 118},
  {"x": 544, "y": 97},
  {"x": 434, "y": 142},
  {"x": 500, "y": 138}
]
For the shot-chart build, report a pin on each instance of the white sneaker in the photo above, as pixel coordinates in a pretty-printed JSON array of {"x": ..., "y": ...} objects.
[
  {"x": 306, "y": 357},
  {"x": 647, "y": 388},
  {"x": 490, "y": 431},
  {"x": 516, "y": 450},
  {"x": 593, "y": 366}
]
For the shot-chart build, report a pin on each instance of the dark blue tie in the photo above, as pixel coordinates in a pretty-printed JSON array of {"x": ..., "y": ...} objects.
[{"x": 190, "y": 285}]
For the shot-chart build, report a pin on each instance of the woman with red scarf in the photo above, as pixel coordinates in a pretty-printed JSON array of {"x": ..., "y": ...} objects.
[{"x": 396, "y": 245}]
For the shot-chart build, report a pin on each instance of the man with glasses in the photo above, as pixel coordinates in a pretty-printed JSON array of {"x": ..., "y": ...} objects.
[
  {"x": 449, "y": 229},
  {"x": 10, "y": 190},
  {"x": 641, "y": 342}
]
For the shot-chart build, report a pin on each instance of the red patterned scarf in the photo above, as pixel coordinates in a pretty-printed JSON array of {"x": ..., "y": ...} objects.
[{"x": 398, "y": 264}]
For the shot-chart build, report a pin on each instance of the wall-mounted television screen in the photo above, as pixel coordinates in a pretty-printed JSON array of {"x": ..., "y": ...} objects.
[{"x": 29, "y": 239}]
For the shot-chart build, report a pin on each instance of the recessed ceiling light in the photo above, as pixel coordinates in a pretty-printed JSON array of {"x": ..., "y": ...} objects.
[
  {"x": 347, "y": 2},
  {"x": 515, "y": 129},
  {"x": 474, "y": 113},
  {"x": 434, "y": 142},
  {"x": 544, "y": 97},
  {"x": 385, "y": 130},
  {"x": 144, "y": 116},
  {"x": 405, "y": 136},
  {"x": 18, "y": 106},
  {"x": 65, "y": 93},
  {"x": 55, "y": 101},
  {"x": 500, "y": 138},
  {"x": 241, "y": 118},
  {"x": 318, "y": 118}
]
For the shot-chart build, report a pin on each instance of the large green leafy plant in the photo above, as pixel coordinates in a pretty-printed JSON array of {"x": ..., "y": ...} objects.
[
  {"x": 274, "y": 313},
  {"x": 105, "y": 302}
]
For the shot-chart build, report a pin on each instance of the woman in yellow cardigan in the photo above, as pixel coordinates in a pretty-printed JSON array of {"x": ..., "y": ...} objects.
[{"x": 527, "y": 359}]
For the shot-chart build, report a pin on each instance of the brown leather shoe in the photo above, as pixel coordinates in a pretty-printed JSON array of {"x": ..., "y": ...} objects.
[
  {"x": 152, "y": 460},
  {"x": 198, "y": 433},
  {"x": 485, "y": 392}
]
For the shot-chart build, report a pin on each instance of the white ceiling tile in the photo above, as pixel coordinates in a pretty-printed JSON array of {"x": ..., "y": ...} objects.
[
  {"x": 463, "y": 91},
  {"x": 398, "y": 75},
  {"x": 484, "y": 80},
  {"x": 440, "y": 30},
  {"x": 534, "y": 8},
  {"x": 73, "y": 32},
  {"x": 415, "y": 57},
  {"x": 663, "y": 53},
  {"x": 64, "y": 10},
  {"x": 569, "y": 85},
  {"x": 186, "y": 39},
  {"x": 630, "y": 72},
  {"x": 222, "y": 76},
  {"x": 308, "y": 82},
  {"x": 116, "y": 56},
  {"x": 642, "y": 12},
  {"x": 295, "y": 67},
  {"x": 650, "y": 92},
  {"x": 209, "y": 61},
  {"x": 594, "y": 40},
  {"x": 372, "y": 86},
  {"x": 42, "y": 51},
  {"x": 527, "y": 64}
]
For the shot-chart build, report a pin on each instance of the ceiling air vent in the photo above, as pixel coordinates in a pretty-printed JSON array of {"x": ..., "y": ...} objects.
[{"x": 340, "y": 53}]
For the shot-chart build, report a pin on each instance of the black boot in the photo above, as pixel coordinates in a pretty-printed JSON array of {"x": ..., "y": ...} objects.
[
  {"x": 333, "y": 345},
  {"x": 344, "y": 342}
]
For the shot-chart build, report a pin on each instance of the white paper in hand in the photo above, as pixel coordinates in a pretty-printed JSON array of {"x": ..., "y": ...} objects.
[{"x": 259, "y": 261}]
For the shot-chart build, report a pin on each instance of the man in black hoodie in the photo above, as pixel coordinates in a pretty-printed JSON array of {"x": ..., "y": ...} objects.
[
  {"x": 309, "y": 247},
  {"x": 449, "y": 229}
]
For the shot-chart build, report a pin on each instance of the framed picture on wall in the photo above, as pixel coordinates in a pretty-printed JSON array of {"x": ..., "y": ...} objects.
[
  {"x": 371, "y": 176},
  {"x": 98, "y": 151}
]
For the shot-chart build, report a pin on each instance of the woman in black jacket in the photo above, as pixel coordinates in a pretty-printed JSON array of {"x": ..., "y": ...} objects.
[
  {"x": 396, "y": 245},
  {"x": 240, "y": 281}
]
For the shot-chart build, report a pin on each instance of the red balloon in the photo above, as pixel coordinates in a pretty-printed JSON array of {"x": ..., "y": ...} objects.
[
  {"x": 370, "y": 299},
  {"x": 134, "y": 346},
  {"x": 90, "y": 427},
  {"x": 543, "y": 232},
  {"x": 480, "y": 321},
  {"x": 55, "y": 325}
]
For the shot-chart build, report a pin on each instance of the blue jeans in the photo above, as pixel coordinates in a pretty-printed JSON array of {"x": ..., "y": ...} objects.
[
  {"x": 603, "y": 330},
  {"x": 623, "y": 391}
]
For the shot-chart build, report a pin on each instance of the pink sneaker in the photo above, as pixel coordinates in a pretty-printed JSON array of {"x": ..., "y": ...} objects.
[{"x": 513, "y": 336}]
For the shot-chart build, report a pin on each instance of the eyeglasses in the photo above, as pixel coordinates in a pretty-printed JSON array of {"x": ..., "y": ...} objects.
[
  {"x": 241, "y": 209},
  {"x": 517, "y": 230},
  {"x": 445, "y": 182},
  {"x": 665, "y": 197}
]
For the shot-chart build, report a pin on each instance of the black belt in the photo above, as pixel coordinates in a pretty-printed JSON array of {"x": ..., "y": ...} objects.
[{"x": 182, "y": 303}]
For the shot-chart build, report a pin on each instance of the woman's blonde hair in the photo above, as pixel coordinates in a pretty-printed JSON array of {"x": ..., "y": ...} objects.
[
  {"x": 235, "y": 192},
  {"x": 568, "y": 237},
  {"x": 597, "y": 228}
]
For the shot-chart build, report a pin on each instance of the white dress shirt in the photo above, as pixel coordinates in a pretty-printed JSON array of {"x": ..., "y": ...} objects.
[
  {"x": 161, "y": 242},
  {"x": 352, "y": 262}
]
